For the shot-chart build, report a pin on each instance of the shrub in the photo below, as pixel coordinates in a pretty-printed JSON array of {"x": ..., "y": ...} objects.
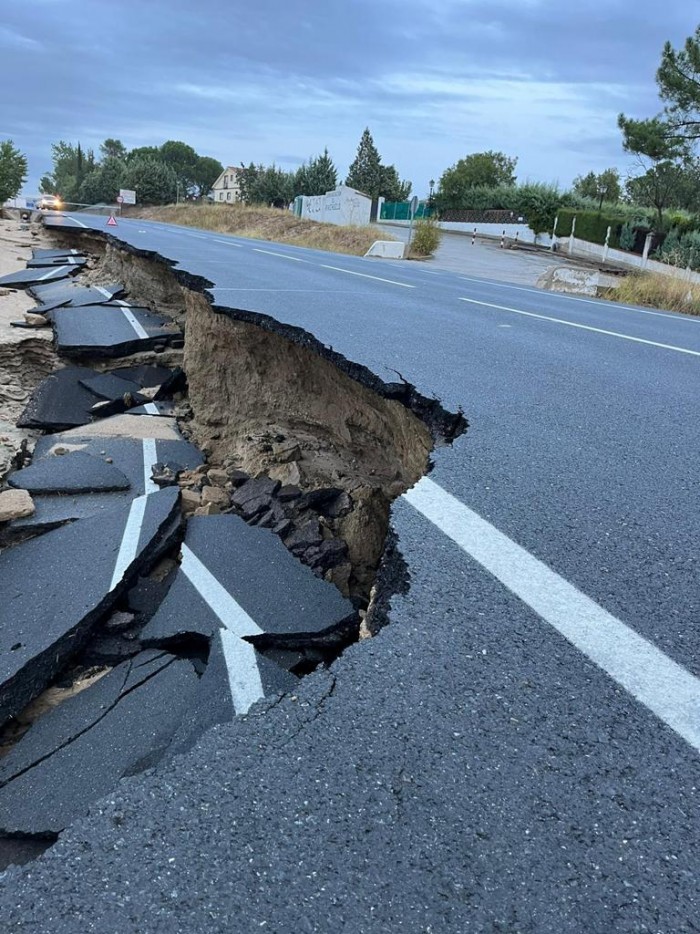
[
  {"x": 658, "y": 291},
  {"x": 681, "y": 249},
  {"x": 628, "y": 237},
  {"x": 426, "y": 237}
]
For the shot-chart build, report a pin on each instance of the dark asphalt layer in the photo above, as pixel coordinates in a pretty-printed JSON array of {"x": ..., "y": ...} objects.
[{"x": 468, "y": 769}]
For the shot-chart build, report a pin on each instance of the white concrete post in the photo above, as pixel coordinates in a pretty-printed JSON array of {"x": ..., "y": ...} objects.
[
  {"x": 572, "y": 236},
  {"x": 554, "y": 232},
  {"x": 380, "y": 202},
  {"x": 606, "y": 248},
  {"x": 647, "y": 247}
]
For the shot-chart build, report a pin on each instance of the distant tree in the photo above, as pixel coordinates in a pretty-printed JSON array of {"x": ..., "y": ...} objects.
[
  {"x": 205, "y": 173},
  {"x": 113, "y": 149},
  {"x": 182, "y": 159},
  {"x": 316, "y": 177},
  {"x": 71, "y": 166},
  {"x": 603, "y": 187},
  {"x": 481, "y": 169},
  {"x": 144, "y": 152},
  {"x": 267, "y": 185},
  {"x": 661, "y": 157},
  {"x": 13, "y": 170},
  {"x": 368, "y": 175},
  {"x": 678, "y": 79},
  {"x": 154, "y": 181},
  {"x": 102, "y": 185},
  {"x": 539, "y": 204},
  {"x": 392, "y": 188},
  {"x": 365, "y": 173}
]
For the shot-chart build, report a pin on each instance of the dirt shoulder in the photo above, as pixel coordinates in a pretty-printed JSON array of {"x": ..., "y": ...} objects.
[{"x": 260, "y": 223}]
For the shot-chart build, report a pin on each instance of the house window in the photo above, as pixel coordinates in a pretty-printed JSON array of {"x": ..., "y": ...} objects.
[
  {"x": 228, "y": 195},
  {"x": 221, "y": 196}
]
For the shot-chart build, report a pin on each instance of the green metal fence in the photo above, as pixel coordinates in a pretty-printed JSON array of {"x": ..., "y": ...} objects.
[{"x": 401, "y": 210}]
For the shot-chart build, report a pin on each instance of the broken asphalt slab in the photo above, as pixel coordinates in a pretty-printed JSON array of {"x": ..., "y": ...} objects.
[
  {"x": 58, "y": 586},
  {"x": 77, "y": 753},
  {"x": 29, "y": 277},
  {"x": 47, "y": 262},
  {"x": 74, "y": 472},
  {"x": 243, "y": 579},
  {"x": 66, "y": 398},
  {"x": 63, "y": 293},
  {"x": 113, "y": 330},
  {"x": 53, "y": 253},
  {"x": 133, "y": 456}
]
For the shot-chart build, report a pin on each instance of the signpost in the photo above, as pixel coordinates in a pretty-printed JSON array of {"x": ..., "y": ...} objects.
[
  {"x": 412, "y": 213},
  {"x": 127, "y": 196},
  {"x": 119, "y": 202}
]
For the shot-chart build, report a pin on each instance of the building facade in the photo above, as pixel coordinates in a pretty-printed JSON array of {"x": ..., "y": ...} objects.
[{"x": 227, "y": 188}]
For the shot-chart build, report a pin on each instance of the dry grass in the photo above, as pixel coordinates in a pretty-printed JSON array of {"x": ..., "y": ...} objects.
[
  {"x": 261, "y": 223},
  {"x": 657, "y": 291}
]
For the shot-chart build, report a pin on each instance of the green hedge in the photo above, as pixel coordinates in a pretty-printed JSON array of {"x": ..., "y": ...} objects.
[{"x": 590, "y": 225}]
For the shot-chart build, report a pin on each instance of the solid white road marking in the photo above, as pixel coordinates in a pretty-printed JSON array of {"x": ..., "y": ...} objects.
[
  {"x": 243, "y": 673},
  {"x": 584, "y": 327},
  {"x": 283, "y": 255},
  {"x": 228, "y": 243},
  {"x": 108, "y": 295},
  {"x": 662, "y": 685},
  {"x": 130, "y": 540},
  {"x": 364, "y": 275},
  {"x": 75, "y": 220},
  {"x": 150, "y": 457},
  {"x": 129, "y": 315},
  {"x": 51, "y": 272},
  {"x": 600, "y": 303},
  {"x": 151, "y": 408}
]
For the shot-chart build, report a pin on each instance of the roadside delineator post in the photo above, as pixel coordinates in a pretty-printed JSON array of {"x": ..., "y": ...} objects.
[
  {"x": 503, "y": 239},
  {"x": 474, "y": 237}
]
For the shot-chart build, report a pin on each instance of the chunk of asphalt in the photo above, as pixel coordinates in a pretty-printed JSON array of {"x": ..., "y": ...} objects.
[
  {"x": 47, "y": 612},
  {"x": 60, "y": 401},
  {"x": 75, "y": 472},
  {"x": 77, "y": 752},
  {"x": 28, "y": 277},
  {"x": 49, "y": 254},
  {"x": 147, "y": 376},
  {"x": 134, "y": 457},
  {"x": 109, "y": 385},
  {"x": 176, "y": 382},
  {"x": 46, "y": 262},
  {"x": 242, "y": 581},
  {"x": 166, "y": 409},
  {"x": 216, "y": 701},
  {"x": 112, "y": 330},
  {"x": 62, "y": 293}
]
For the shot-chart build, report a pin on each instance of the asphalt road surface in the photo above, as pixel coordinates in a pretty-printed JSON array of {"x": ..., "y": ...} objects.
[{"x": 518, "y": 750}]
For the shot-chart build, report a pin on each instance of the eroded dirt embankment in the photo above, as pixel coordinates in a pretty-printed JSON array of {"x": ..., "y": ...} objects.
[{"x": 274, "y": 402}]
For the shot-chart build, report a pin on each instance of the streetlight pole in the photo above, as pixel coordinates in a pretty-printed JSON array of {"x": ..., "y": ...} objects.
[{"x": 430, "y": 196}]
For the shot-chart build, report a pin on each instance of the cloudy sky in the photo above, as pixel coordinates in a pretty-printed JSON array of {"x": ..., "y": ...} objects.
[{"x": 277, "y": 80}]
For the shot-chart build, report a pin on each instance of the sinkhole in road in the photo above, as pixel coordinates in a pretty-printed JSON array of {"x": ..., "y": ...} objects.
[{"x": 296, "y": 440}]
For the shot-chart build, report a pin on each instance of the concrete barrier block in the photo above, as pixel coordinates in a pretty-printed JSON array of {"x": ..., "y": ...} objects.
[{"x": 387, "y": 249}]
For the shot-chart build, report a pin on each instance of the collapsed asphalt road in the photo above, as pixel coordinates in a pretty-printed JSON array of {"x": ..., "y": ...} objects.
[{"x": 518, "y": 749}]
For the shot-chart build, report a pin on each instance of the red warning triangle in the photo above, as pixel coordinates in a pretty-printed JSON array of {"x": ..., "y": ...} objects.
[{"x": 112, "y": 221}]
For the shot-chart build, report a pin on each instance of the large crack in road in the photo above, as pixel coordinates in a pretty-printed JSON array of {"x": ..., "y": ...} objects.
[{"x": 284, "y": 457}]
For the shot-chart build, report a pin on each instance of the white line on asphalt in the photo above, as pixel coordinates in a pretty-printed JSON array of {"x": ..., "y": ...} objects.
[
  {"x": 150, "y": 457},
  {"x": 98, "y": 288},
  {"x": 364, "y": 275},
  {"x": 130, "y": 540},
  {"x": 243, "y": 673},
  {"x": 258, "y": 289},
  {"x": 615, "y": 306},
  {"x": 667, "y": 689},
  {"x": 151, "y": 408},
  {"x": 584, "y": 327},
  {"x": 228, "y": 243},
  {"x": 129, "y": 315},
  {"x": 283, "y": 255},
  {"x": 74, "y": 219},
  {"x": 51, "y": 272}
]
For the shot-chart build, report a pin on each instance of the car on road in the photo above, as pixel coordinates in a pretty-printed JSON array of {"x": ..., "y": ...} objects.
[{"x": 50, "y": 203}]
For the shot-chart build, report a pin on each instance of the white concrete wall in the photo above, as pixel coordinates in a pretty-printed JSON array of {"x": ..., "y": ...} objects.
[
  {"x": 523, "y": 232},
  {"x": 344, "y": 206},
  {"x": 622, "y": 258}
]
